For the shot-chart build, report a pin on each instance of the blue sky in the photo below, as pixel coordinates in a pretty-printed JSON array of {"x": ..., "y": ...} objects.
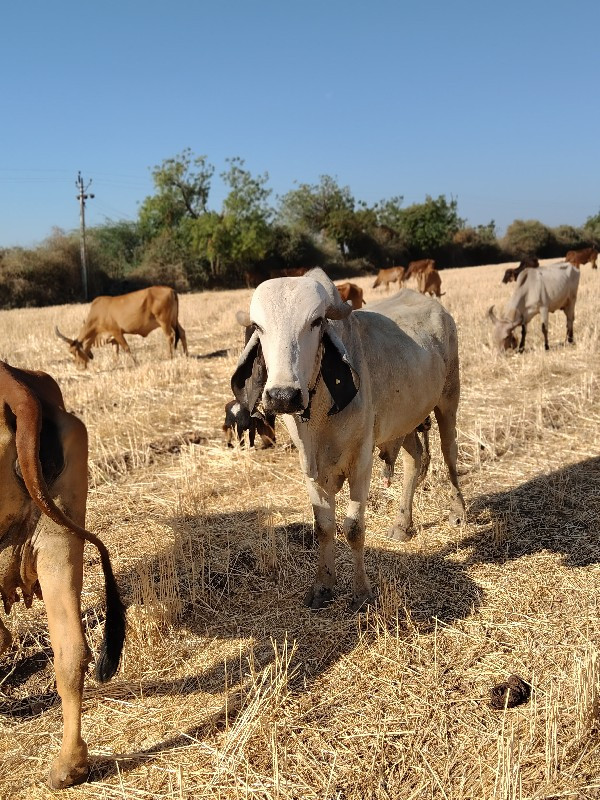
[{"x": 495, "y": 104}]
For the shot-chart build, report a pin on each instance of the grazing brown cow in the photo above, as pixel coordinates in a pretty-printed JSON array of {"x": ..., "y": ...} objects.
[
  {"x": 43, "y": 469},
  {"x": 350, "y": 292},
  {"x": 415, "y": 267},
  {"x": 253, "y": 278},
  {"x": 389, "y": 275},
  {"x": 430, "y": 282},
  {"x": 138, "y": 312},
  {"x": 511, "y": 274},
  {"x": 579, "y": 257}
]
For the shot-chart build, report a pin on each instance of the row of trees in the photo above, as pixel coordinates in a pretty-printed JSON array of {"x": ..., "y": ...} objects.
[{"x": 179, "y": 239}]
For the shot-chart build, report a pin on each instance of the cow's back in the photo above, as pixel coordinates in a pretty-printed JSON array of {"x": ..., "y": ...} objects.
[
  {"x": 402, "y": 342},
  {"x": 553, "y": 286}
]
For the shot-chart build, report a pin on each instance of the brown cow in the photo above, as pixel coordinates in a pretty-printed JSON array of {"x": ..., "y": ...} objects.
[
  {"x": 138, "y": 312},
  {"x": 511, "y": 274},
  {"x": 389, "y": 275},
  {"x": 430, "y": 282},
  {"x": 415, "y": 267},
  {"x": 580, "y": 257},
  {"x": 43, "y": 469},
  {"x": 352, "y": 293}
]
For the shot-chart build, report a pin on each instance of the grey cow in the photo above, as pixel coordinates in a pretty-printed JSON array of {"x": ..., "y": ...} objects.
[
  {"x": 538, "y": 291},
  {"x": 346, "y": 381}
]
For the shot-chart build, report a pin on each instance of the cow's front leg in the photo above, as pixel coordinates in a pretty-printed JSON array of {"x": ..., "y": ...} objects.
[
  {"x": 354, "y": 528},
  {"x": 60, "y": 573},
  {"x": 323, "y": 503},
  {"x": 412, "y": 450}
]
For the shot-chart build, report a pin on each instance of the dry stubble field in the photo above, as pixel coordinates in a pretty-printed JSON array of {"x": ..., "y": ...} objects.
[{"x": 229, "y": 687}]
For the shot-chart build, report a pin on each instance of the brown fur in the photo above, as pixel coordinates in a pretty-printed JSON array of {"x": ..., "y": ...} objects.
[
  {"x": 351, "y": 292},
  {"x": 43, "y": 455}
]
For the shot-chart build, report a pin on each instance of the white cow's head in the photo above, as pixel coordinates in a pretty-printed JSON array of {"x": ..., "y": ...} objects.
[
  {"x": 292, "y": 343},
  {"x": 503, "y": 331}
]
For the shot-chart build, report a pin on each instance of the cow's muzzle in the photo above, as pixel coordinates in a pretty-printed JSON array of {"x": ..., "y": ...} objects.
[{"x": 283, "y": 400}]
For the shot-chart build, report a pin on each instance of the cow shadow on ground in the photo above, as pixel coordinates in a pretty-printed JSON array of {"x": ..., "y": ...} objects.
[
  {"x": 255, "y": 601},
  {"x": 558, "y": 511}
]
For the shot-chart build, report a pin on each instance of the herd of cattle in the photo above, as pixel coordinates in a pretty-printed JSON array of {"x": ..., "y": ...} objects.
[{"x": 345, "y": 384}]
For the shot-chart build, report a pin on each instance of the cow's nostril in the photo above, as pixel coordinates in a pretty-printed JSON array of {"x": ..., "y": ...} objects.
[{"x": 284, "y": 399}]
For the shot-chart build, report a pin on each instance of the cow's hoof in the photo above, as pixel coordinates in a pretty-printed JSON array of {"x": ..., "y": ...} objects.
[
  {"x": 62, "y": 776},
  {"x": 361, "y": 601},
  {"x": 401, "y": 534},
  {"x": 318, "y": 598}
]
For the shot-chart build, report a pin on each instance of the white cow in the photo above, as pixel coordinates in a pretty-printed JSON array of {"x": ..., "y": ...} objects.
[
  {"x": 538, "y": 291},
  {"x": 347, "y": 381}
]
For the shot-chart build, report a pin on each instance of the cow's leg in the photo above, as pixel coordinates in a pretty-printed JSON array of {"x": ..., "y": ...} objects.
[
  {"x": 354, "y": 528},
  {"x": 323, "y": 504},
  {"x": 544, "y": 316},
  {"x": 121, "y": 340},
  {"x": 59, "y": 565},
  {"x": 182, "y": 337},
  {"x": 522, "y": 342},
  {"x": 388, "y": 453},
  {"x": 412, "y": 450},
  {"x": 60, "y": 573},
  {"x": 5, "y": 638},
  {"x": 570, "y": 315},
  {"x": 445, "y": 414}
]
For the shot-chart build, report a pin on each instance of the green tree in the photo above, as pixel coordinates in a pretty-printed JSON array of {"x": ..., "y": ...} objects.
[
  {"x": 427, "y": 227},
  {"x": 240, "y": 235},
  {"x": 182, "y": 188},
  {"x": 115, "y": 247},
  {"x": 322, "y": 209},
  {"x": 528, "y": 238},
  {"x": 591, "y": 229}
]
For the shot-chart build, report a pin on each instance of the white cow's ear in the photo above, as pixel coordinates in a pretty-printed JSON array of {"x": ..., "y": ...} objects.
[
  {"x": 339, "y": 375},
  {"x": 250, "y": 377}
]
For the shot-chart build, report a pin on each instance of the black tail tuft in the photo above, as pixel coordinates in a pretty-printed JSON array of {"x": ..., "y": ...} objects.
[
  {"x": 114, "y": 625},
  {"x": 177, "y": 337}
]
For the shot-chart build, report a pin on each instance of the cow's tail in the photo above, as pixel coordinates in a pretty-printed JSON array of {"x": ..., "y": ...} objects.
[
  {"x": 28, "y": 412},
  {"x": 426, "y": 455}
]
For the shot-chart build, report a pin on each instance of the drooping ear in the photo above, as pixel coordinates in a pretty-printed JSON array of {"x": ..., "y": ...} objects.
[
  {"x": 250, "y": 377},
  {"x": 492, "y": 316},
  {"x": 340, "y": 377},
  {"x": 243, "y": 318}
]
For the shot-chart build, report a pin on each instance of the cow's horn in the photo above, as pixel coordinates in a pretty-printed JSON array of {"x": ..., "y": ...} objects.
[{"x": 62, "y": 336}]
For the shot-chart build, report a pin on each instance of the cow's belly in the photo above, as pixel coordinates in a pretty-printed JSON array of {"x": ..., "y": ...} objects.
[{"x": 144, "y": 330}]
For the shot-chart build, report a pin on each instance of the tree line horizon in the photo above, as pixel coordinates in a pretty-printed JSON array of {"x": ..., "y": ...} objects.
[{"x": 179, "y": 241}]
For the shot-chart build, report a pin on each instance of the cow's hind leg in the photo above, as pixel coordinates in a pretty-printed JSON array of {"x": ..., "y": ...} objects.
[
  {"x": 354, "y": 528},
  {"x": 180, "y": 335},
  {"x": 570, "y": 314},
  {"x": 323, "y": 504},
  {"x": 445, "y": 414},
  {"x": 412, "y": 450},
  {"x": 60, "y": 573}
]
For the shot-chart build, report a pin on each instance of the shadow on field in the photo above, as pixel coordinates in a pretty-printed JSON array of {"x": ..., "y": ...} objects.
[
  {"x": 558, "y": 511},
  {"x": 255, "y": 600}
]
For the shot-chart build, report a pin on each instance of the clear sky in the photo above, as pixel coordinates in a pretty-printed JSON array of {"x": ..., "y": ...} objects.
[{"x": 496, "y": 104}]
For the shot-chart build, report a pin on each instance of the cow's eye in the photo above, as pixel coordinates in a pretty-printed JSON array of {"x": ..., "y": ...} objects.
[{"x": 316, "y": 323}]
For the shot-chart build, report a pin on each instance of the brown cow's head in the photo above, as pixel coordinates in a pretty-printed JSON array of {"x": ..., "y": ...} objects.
[
  {"x": 82, "y": 356},
  {"x": 503, "y": 331}
]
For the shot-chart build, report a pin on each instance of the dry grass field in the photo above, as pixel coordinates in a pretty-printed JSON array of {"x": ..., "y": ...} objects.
[{"x": 229, "y": 687}]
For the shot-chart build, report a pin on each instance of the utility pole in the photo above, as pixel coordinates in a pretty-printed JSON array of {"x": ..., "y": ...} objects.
[{"x": 82, "y": 197}]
